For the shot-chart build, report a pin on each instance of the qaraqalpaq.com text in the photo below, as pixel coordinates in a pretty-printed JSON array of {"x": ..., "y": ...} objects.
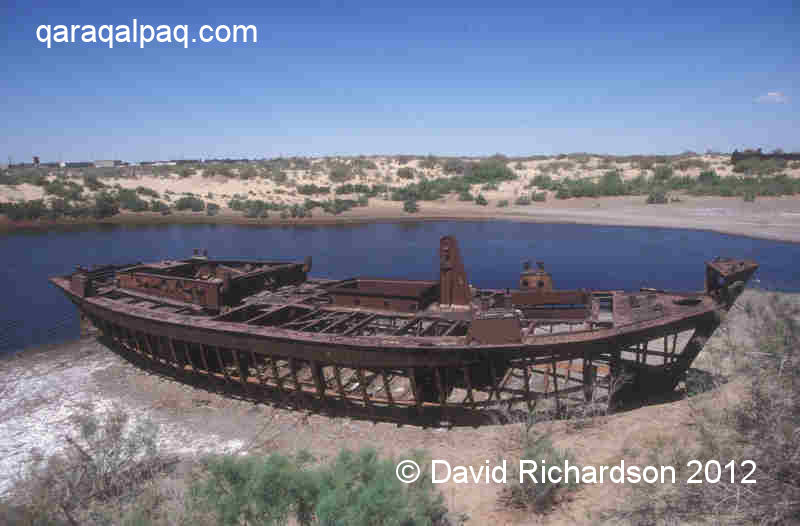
[{"x": 143, "y": 34}]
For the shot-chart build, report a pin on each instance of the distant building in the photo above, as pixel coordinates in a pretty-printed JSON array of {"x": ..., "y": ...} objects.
[
  {"x": 80, "y": 164},
  {"x": 104, "y": 164}
]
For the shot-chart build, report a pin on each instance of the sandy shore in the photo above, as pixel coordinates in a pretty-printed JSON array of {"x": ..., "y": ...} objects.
[{"x": 776, "y": 218}]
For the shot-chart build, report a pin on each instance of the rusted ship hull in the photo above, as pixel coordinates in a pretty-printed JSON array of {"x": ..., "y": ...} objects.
[{"x": 312, "y": 341}]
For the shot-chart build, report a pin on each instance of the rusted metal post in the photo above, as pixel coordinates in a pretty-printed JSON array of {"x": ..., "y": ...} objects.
[
  {"x": 387, "y": 387},
  {"x": 319, "y": 380}
]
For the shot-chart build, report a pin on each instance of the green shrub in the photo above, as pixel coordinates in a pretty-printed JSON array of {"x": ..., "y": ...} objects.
[
  {"x": 542, "y": 494},
  {"x": 611, "y": 183},
  {"x": 523, "y": 200},
  {"x": 34, "y": 209},
  {"x": 337, "y": 206},
  {"x": 429, "y": 162},
  {"x": 340, "y": 173},
  {"x": 405, "y": 172},
  {"x": 105, "y": 205},
  {"x": 190, "y": 203},
  {"x": 480, "y": 200},
  {"x": 686, "y": 164},
  {"x": 65, "y": 189},
  {"x": 454, "y": 166},
  {"x": 662, "y": 173},
  {"x": 489, "y": 171},
  {"x": 354, "y": 489},
  {"x": 657, "y": 198},
  {"x": 149, "y": 192},
  {"x": 545, "y": 182},
  {"x": 502, "y": 203},
  {"x": 212, "y": 209},
  {"x": 130, "y": 200},
  {"x": 709, "y": 177},
  {"x": 411, "y": 206},
  {"x": 756, "y": 166},
  {"x": 312, "y": 189},
  {"x": 465, "y": 196},
  {"x": 159, "y": 206},
  {"x": 539, "y": 197},
  {"x": 749, "y": 196},
  {"x": 92, "y": 183}
]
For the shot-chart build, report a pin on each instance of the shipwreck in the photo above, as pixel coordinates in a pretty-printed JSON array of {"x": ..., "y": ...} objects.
[{"x": 394, "y": 348}]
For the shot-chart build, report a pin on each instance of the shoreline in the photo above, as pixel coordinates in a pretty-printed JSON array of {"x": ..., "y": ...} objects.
[{"x": 775, "y": 219}]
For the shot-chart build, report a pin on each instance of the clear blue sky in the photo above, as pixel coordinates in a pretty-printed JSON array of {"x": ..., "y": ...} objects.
[{"x": 361, "y": 78}]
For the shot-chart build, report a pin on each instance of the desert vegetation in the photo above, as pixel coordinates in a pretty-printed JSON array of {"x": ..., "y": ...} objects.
[
  {"x": 112, "y": 471},
  {"x": 760, "y": 423},
  {"x": 48, "y": 193}
]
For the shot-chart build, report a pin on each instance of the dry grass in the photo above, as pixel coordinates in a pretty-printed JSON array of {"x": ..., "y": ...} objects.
[{"x": 755, "y": 417}]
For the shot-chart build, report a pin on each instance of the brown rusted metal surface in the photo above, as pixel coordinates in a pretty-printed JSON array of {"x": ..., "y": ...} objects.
[{"x": 397, "y": 349}]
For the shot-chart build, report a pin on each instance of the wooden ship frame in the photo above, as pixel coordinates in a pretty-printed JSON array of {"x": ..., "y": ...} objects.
[{"x": 389, "y": 349}]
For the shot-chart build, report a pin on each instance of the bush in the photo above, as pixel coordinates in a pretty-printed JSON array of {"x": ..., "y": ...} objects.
[
  {"x": 749, "y": 196},
  {"x": 453, "y": 166},
  {"x": 411, "y": 206},
  {"x": 612, "y": 184},
  {"x": 355, "y": 488},
  {"x": 523, "y": 200},
  {"x": 129, "y": 200},
  {"x": 212, "y": 209},
  {"x": 108, "y": 457},
  {"x": 68, "y": 190},
  {"x": 662, "y": 173},
  {"x": 340, "y": 173},
  {"x": 756, "y": 166},
  {"x": 92, "y": 183},
  {"x": 33, "y": 209},
  {"x": 657, "y": 198},
  {"x": 312, "y": 189},
  {"x": 709, "y": 177},
  {"x": 190, "y": 203},
  {"x": 490, "y": 171},
  {"x": 502, "y": 204},
  {"x": 465, "y": 196},
  {"x": 149, "y": 192},
  {"x": 539, "y": 197},
  {"x": 429, "y": 162},
  {"x": 545, "y": 182},
  {"x": 105, "y": 205},
  {"x": 480, "y": 200},
  {"x": 538, "y": 496},
  {"x": 159, "y": 206},
  {"x": 337, "y": 206},
  {"x": 405, "y": 172}
]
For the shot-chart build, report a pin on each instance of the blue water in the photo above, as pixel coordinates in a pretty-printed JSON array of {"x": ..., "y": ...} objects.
[{"x": 33, "y": 312}]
